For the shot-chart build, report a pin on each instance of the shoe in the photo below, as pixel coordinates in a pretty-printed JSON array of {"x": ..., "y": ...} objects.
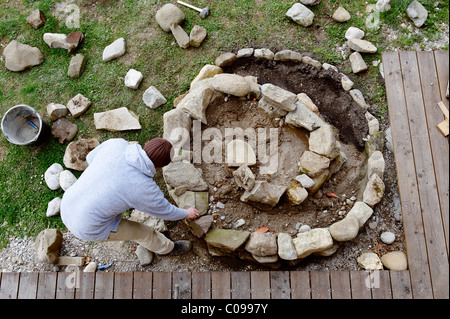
[{"x": 181, "y": 247}]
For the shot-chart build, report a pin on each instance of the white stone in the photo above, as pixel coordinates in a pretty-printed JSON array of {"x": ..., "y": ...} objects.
[
  {"x": 169, "y": 14},
  {"x": 177, "y": 128},
  {"x": 153, "y": 98},
  {"x": 374, "y": 191},
  {"x": 323, "y": 142},
  {"x": 376, "y": 164},
  {"x": 383, "y": 5},
  {"x": 208, "y": 71},
  {"x": 114, "y": 50},
  {"x": 78, "y": 105},
  {"x": 361, "y": 211},
  {"x": 232, "y": 84},
  {"x": 279, "y": 96},
  {"x": 301, "y": 14},
  {"x": 19, "y": 57},
  {"x": 370, "y": 261},
  {"x": 288, "y": 55},
  {"x": 357, "y": 62},
  {"x": 286, "y": 247},
  {"x": 197, "y": 100},
  {"x": 121, "y": 119},
  {"x": 354, "y": 33},
  {"x": 362, "y": 46},
  {"x": 308, "y": 60},
  {"x": 66, "y": 179},
  {"x": 305, "y": 180},
  {"x": 347, "y": 84},
  {"x": 306, "y": 100},
  {"x": 240, "y": 153},
  {"x": 417, "y": 13},
  {"x": 51, "y": 176},
  {"x": 264, "y": 54},
  {"x": 245, "y": 52},
  {"x": 395, "y": 260},
  {"x": 53, "y": 207},
  {"x": 313, "y": 164},
  {"x": 304, "y": 117},
  {"x": 296, "y": 193},
  {"x": 310, "y": 2},
  {"x": 262, "y": 244},
  {"x": 133, "y": 79},
  {"x": 358, "y": 97},
  {"x": 244, "y": 177},
  {"x": 341, "y": 15},
  {"x": 387, "y": 237},
  {"x": 264, "y": 193},
  {"x": 56, "y": 111},
  {"x": 304, "y": 229},
  {"x": 315, "y": 240},
  {"x": 346, "y": 229}
]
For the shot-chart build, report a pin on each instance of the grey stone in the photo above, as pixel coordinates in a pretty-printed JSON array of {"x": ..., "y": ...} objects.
[
  {"x": 306, "y": 100},
  {"x": 357, "y": 62},
  {"x": 358, "y": 97},
  {"x": 346, "y": 229},
  {"x": 19, "y": 57},
  {"x": 121, "y": 119},
  {"x": 361, "y": 211},
  {"x": 347, "y": 84},
  {"x": 244, "y": 177},
  {"x": 280, "y": 97},
  {"x": 286, "y": 247},
  {"x": 226, "y": 59},
  {"x": 311, "y": 61},
  {"x": 114, "y": 50},
  {"x": 310, "y": 2},
  {"x": 354, "y": 33},
  {"x": 313, "y": 164},
  {"x": 188, "y": 199},
  {"x": 376, "y": 164},
  {"x": 288, "y": 55},
  {"x": 301, "y": 15},
  {"x": 383, "y": 5},
  {"x": 304, "y": 117},
  {"x": 64, "y": 131},
  {"x": 265, "y": 193},
  {"x": 245, "y": 53},
  {"x": 323, "y": 142},
  {"x": 144, "y": 255},
  {"x": 36, "y": 19},
  {"x": 77, "y": 66},
  {"x": 225, "y": 241},
  {"x": 153, "y": 98},
  {"x": 374, "y": 191},
  {"x": 56, "y": 111},
  {"x": 341, "y": 15},
  {"x": 264, "y": 54},
  {"x": 177, "y": 127},
  {"x": 78, "y": 105},
  {"x": 417, "y": 13},
  {"x": 47, "y": 245},
  {"x": 197, "y": 100},
  {"x": 232, "y": 84},
  {"x": 76, "y": 152},
  {"x": 208, "y": 71},
  {"x": 387, "y": 237},
  {"x": 312, "y": 241},
  {"x": 262, "y": 244},
  {"x": 271, "y": 109},
  {"x": 184, "y": 174},
  {"x": 199, "y": 227},
  {"x": 169, "y": 14},
  {"x": 363, "y": 46},
  {"x": 197, "y": 36},
  {"x": 305, "y": 180},
  {"x": 180, "y": 35}
]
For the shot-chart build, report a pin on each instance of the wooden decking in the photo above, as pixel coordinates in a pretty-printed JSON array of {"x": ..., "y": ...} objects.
[
  {"x": 208, "y": 285},
  {"x": 415, "y": 83}
]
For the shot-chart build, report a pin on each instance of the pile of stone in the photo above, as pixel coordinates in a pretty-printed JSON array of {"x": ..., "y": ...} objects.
[
  {"x": 170, "y": 18},
  {"x": 323, "y": 158}
]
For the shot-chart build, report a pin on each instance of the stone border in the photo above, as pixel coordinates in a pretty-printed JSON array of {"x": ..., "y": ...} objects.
[{"x": 268, "y": 248}]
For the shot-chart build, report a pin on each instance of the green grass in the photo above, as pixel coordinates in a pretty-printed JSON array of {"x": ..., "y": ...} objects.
[{"x": 232, "y": 25}]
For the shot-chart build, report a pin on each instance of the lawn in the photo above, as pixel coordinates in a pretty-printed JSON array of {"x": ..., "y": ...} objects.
[{"x": 232, "y": 25}]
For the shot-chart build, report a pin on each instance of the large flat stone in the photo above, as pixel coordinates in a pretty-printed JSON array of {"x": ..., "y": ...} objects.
[
  {"x": 120, "y": 119},
  {"x": 226, "y": 240},
  {"x": 264, "y": 193},
  {"x": 312, "y": 241},
  {"x": 184, "y": 174}
]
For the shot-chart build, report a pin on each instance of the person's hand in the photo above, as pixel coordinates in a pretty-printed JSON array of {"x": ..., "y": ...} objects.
[{"x": 192, "y": 213}]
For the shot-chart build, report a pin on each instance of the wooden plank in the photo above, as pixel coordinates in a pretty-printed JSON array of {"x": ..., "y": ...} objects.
[
  {"x": 28, "y": 284},
  {"x": 432, "y": 213},
  {"x": 220, "y": 285},
  {"x": 201, "y": 285},
  {"x": 280, "y": 284},
  {"x": 162, "y": 285},
  {"x": 104, "y": 285},
  {"x": 240, "y": 285},
  {"x": 9, "y": 285},
  {"x": 340, "y": 285},
  {"x": 442, "y": 67},
  {"x": 66, "y": 284},
  {"x": 320, "y": 284},
  {"x": 406, "y": 176},
  {"x": 182, "y": 285},
  {"x": 260, "y": 284},
  {"x": 123, "y": 285},
  {"x": 401, "y": 284},
  {"x": 300, "y": 285},
  {"x": 381, "y": 288},
  {"x": 46, "y": 285},
  {"x": 142, "y": 285},
  {"x": 85, "y": 290},
  {"x": 360, "y": 283}
]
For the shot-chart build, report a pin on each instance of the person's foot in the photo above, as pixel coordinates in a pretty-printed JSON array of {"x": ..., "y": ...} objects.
[{"x": 181, "y": 247}]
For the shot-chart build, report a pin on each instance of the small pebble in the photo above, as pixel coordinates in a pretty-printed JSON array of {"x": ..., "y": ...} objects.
[{"x": 387, "y": 237}]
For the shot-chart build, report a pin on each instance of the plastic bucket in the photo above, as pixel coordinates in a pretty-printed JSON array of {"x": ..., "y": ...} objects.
[{"x": 22, "y": 125}]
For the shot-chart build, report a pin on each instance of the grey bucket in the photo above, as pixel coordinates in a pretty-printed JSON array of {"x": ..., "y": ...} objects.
[{"x": 22, "y": 125}]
